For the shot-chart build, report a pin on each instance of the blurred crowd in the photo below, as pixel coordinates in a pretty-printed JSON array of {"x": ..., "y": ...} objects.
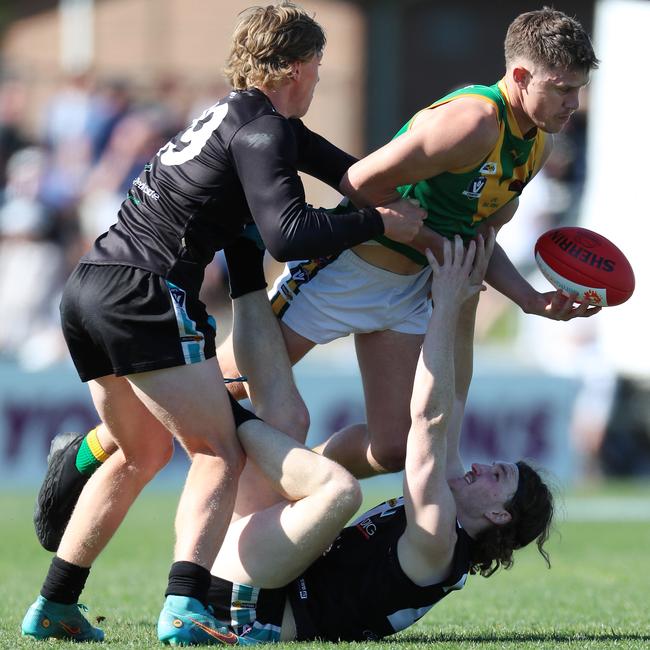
[{"x": 63, "y": 177}]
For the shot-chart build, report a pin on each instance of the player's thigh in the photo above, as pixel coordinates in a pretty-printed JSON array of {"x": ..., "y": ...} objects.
[
  {"x": 272, "y": 547},
  {"x": 191, "y": 402},
  {"x": 133, "y": 427},
  {"x": 297, "y": 345},
  {"x": 387, "y": 361}
]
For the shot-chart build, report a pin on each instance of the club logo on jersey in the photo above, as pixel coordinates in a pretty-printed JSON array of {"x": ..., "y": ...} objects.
[
  {"x": 488, "y": 168},
  {"x": 475, "y": 187},
  {"x": 178, "y": 295},
  {"x": 516, "y": 186}
]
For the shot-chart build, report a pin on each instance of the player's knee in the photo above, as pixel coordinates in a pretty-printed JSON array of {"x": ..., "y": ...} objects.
[
  {"x": 227, "y": 451},
  {"x": 342, "y": 490},
  {"x": 146, "y": 461},
  {"x": 389, "y": 457},
  {"x": 350, "y": 494},
  {"x": 292, "y": 419}
]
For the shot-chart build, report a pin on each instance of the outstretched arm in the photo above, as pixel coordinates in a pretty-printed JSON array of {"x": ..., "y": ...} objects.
[
  {"x": 426, "y": 547},
  {"x": 464, "y": 359}
]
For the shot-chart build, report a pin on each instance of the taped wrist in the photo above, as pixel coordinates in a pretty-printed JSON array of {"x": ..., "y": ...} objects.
[{"x": 245, "y": 262}]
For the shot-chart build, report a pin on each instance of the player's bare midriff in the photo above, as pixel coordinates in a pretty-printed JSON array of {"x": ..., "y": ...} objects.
[{"x": 387, "y": 259}]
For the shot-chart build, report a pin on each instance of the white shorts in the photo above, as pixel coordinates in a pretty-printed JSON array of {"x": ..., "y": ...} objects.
[{"x": 326, "y": 299}]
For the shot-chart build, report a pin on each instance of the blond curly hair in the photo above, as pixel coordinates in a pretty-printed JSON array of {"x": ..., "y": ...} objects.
[{"x": 266, "y": 43}]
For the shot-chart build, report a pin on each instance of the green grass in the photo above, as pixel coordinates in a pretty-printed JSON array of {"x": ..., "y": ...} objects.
[{"x": 595, "y": 596}]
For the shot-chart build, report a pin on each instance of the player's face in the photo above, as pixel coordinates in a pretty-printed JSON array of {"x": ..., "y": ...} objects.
[
  {"x": 551, "y": 96},
  {"x": 306, "y": 85},
  {"x": 486, "y": 487}
]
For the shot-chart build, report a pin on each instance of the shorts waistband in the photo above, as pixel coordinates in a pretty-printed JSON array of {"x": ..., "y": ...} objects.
[{"x": 395, "y": 279}]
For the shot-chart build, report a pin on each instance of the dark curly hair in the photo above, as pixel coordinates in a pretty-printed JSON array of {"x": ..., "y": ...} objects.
[{"x": 531, "y": 509}]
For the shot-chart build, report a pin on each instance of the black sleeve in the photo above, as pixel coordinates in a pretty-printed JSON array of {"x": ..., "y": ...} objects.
[
  {"x": 320, "y": 158},
  {"x": 245, "y": 260},
  {"x": 265, "y": 154}
]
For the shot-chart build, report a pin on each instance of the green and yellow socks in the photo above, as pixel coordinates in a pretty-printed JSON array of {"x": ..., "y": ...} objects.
[{"x": 91, "y": 454}]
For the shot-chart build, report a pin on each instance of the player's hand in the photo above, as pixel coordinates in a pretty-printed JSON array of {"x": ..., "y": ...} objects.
[
  {"x": 402, "y": 220},
  {"x": 558, "y": 306},
  {"x": 484, "y": 250},
  {"x": 452, "y": 281}
]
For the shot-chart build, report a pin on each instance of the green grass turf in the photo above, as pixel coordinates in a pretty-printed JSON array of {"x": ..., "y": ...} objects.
[{"x": 595, "y": 596}]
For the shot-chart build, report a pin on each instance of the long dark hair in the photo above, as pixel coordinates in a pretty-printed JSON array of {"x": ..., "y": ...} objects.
[{"x": 531, "y": 510}]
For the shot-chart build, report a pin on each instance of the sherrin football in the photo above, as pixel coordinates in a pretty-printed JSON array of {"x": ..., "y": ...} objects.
[{"x": 577, "y": 260}]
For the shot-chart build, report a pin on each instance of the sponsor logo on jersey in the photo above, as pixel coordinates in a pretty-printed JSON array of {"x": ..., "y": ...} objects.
[
  {"x": 302, "y": 589},
  {"x": 475, "y": 187},
  {"x": 145, "y": 189},
  {"x": 367, "y": 527},
  {"x": 488, "y": 168},
  {"x": 298, "y": 274}
]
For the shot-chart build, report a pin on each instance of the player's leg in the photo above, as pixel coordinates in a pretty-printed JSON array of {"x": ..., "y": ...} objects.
[
  {"x": 319, "y": 498},
  {"x": 145, "y": 447},
  {"x": 105, "y": 499},
  {"x": 387, "y": 361},
  {"x": 265, "y": 354},
  {"x": 261, "y": 352},
  {"x": 191, "y": 402},
  {"x": 72, "y": 460}
]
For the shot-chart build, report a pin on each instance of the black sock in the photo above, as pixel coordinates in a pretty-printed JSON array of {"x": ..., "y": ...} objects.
[
  {"x": 64, "y": 582},
  {"x": 189, "y": 579}
]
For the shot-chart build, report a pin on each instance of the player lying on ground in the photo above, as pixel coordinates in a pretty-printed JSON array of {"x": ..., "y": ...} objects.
[
  {"x": 140, "y": 336},
  {"x": 387, "y": 569}
]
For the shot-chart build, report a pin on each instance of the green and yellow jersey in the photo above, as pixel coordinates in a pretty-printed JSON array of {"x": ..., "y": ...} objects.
[{"x": 457, "y": 201}]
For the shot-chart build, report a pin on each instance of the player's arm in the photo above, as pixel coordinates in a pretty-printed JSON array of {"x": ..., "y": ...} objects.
[
  {"x": 265, "y": 155},
  {"x": 448, "y": 137},
  {"x": 505, "y": 278},
  {"x": 320, "y": 158},
  {"x": 464, "y": 357},
  {"x": 425, "y": 550}
]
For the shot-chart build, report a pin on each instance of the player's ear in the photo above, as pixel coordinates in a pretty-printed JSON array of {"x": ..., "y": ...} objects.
[
  {"x": 499, "y": 517},
  {"x": 521, "y": 76},
  {"x": 296, "y": 69}
]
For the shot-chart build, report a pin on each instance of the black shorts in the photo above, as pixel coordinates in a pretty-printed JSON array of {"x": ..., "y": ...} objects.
[{"x": 120, "y": 320}]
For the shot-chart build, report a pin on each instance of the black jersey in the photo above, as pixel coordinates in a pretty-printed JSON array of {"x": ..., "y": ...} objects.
[
  {"x": 357, "y": 590},
  {"x": 237, "y": 163}
]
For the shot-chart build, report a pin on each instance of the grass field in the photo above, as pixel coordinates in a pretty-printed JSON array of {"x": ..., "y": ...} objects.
[{"x": 595, "y": 596}]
